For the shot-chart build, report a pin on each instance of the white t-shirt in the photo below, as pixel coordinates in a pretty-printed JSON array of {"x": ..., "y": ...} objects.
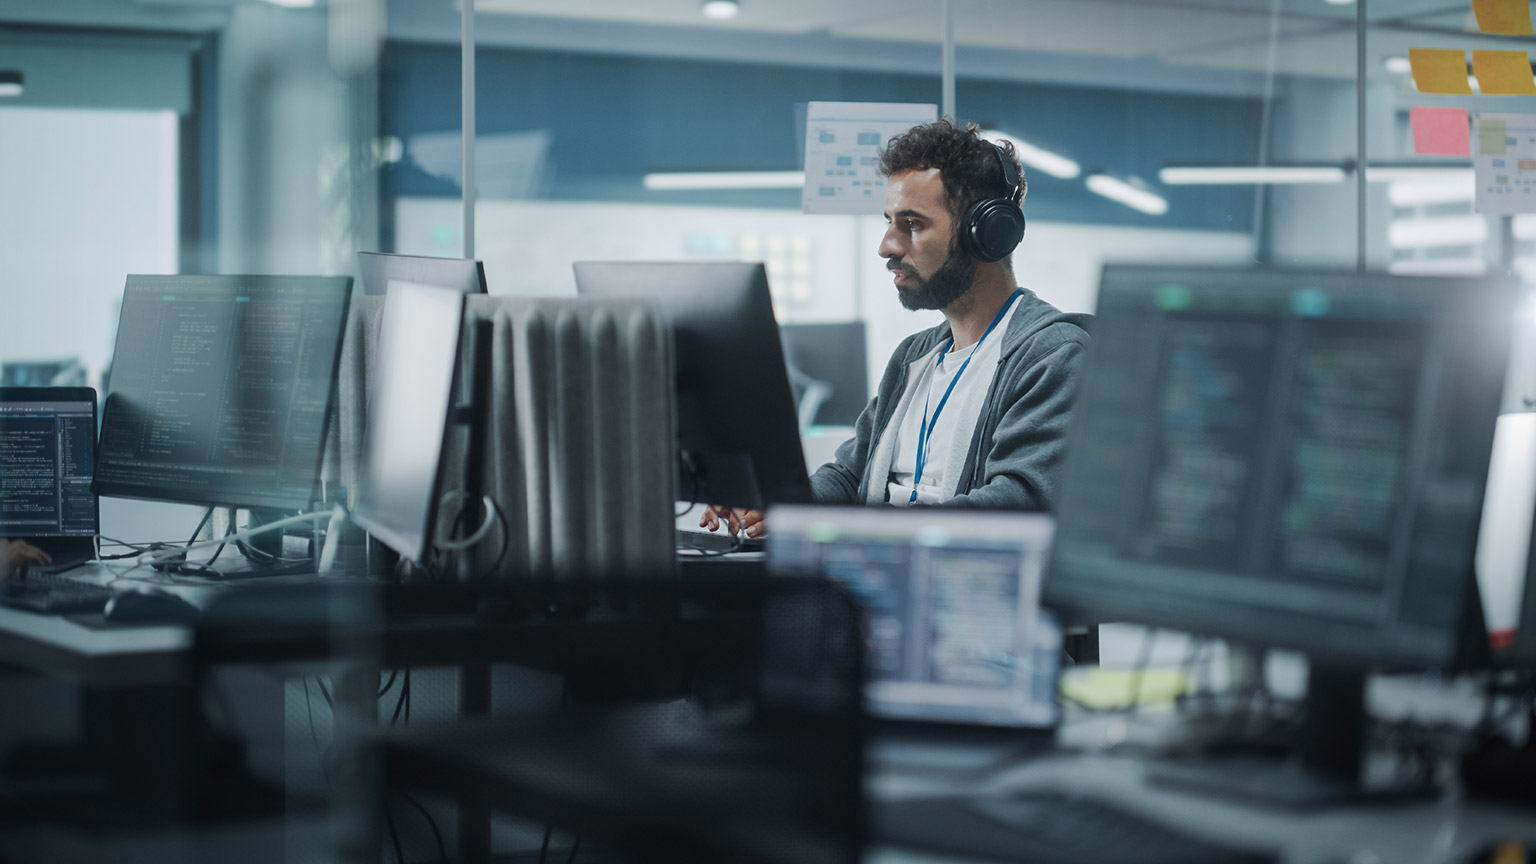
[{"x": 950, "y": 438}]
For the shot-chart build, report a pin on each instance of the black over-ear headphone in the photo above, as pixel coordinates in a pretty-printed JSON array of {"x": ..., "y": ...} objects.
[{"x": 993, "y": 227}]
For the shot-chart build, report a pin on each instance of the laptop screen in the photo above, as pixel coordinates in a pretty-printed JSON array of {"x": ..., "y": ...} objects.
[
  {"x": 47, "y": 457},
  {"x": 954, "y": 628}
]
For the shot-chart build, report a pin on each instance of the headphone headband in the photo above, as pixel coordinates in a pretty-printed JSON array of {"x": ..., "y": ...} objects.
[{"x": 1010, "y": 171}]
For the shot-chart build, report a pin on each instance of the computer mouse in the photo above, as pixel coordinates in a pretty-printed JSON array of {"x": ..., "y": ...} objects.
[{"x": 149, "y": 604}]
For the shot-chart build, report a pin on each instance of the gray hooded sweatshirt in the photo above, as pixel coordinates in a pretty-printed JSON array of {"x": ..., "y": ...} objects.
[{"x": 1015, "y": 457}]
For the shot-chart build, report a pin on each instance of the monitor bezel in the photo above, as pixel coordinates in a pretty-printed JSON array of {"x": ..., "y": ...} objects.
[
  {"x": 729, "y": 305},
  {"x": 1329, "y": 645},
  {"x": 136, "y": 492},
  {"x": 378, "y": 270},
  {"x": 411, "y": 547},
  {"x": 66, "y": 394}
]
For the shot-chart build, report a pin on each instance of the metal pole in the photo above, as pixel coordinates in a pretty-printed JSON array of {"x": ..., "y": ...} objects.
[
  {"x": 1360, "y": 158},
  {"x": 1260, "y": 191},
  {"x": 947, "y": 107},
  {"x": 467, "y": 53}
]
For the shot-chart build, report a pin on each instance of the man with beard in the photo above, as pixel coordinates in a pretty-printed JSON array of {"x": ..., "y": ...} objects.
[{"x": 971, "y": 413}]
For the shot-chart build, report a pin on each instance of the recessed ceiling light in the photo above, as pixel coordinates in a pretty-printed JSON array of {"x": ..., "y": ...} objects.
[
  {"x": 1398, "y": 65},
  {"x": 721, "y": 10},
  {"x": 11, "y": 81}
]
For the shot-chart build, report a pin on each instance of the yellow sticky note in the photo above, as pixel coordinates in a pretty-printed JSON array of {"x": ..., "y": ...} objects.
[
  {"x": 1512, "y": 17},
  {"x": 1439, "y": 70},
  {"x": 1490, "y": 136},
  {"x": 1105, "y": 688},
  {"x": 1503, "y": 73}
]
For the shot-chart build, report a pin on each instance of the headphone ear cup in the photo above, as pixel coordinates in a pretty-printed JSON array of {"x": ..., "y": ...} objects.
[{"x": 993, "y": 228}]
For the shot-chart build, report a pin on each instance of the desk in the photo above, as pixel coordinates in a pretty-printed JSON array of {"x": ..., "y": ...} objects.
[
  {"x": 1448, "y": 829},
  {"x": 101, "y": 732},
  {"x": 58, "y": 647}
]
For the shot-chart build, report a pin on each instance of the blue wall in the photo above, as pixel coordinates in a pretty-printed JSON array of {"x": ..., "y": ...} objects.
[{"x": 614, "y": 118}]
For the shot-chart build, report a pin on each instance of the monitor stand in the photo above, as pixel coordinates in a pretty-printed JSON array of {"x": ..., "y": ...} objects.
[{"x": 1323, "y": 768}]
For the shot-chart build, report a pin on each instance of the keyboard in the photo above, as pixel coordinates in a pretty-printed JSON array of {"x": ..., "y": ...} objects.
[
  {"x": 717, "y": 543},
  {"x": 1043, "y": 829},
  {"x": 53, "y": 595}
]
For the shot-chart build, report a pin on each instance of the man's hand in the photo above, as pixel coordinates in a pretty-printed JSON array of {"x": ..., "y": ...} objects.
[
  {"x": 753, "y": 522},
  {"x": 17, "y": 555}
]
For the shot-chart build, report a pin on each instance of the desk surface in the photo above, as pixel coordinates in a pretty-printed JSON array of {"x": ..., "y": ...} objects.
[
  {"x": 1448, "y": 829},
  {"x": 111, "y": 655}
]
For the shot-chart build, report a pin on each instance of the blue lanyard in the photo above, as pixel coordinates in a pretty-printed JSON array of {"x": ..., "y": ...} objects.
[{"x": 926, "y": 429}]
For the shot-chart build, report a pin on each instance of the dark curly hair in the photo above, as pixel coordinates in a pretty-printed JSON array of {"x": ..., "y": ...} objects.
[{"x": 966, "y": 162}]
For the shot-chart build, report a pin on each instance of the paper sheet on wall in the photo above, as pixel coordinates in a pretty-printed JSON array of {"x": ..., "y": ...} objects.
[
  {"x": 1505, "y": 160},
  {"x": 842, "y": 144}
]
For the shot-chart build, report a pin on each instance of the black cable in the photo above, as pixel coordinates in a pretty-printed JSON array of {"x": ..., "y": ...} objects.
[
  {"x": 394, "y": 836},
  {"x": 393, "y": 673},
  {"x": 442, "y": 848},
  {"x": 407, "y": 688},
  {"x": 319, "y": 755},
  {"x": 326, "y": 693},
  {"x": 544, "y": 847},
  {"x": 506, "y": 536},
  {"x": 207, "y": 514},
  {"x": 575, "y": 847},
  {"x": 400, "y": 700}
]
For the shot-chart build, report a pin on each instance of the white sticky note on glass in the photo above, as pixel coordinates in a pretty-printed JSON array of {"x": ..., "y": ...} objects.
[
  {"x": 1504, "y": 159},
  {"x": 843, "y": 141}
]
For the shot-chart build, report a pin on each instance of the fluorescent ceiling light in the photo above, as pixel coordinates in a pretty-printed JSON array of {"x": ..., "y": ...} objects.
[
  {"x": 1250, "y": 175},
  {"x": 1444, "y": 188},
  {"x": 1445, "y": 231},
  {"x": 292, "y": 4},
  {"x": 725, "y": 180},
  {"x": 721, "y": 10},
  {"x": 1038, "y": 158},
  {"x": 1398, "y": 65},
  {"x": 1338, "y": 2},
  {"x": 1134, "y": 197},
  {"x": 1438, "y": 267},
  {"x": 1395, "y": 173}
]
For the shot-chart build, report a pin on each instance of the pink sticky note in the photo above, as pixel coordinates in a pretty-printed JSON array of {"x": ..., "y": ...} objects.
[{"x": 1440, "y": 132}]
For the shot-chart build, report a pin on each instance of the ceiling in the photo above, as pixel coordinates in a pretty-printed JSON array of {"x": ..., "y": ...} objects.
[{"x": 1091, "y": 41}]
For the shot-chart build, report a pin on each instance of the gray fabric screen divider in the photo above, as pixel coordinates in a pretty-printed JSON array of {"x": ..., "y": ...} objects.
[{"x": 581, "y": 438}]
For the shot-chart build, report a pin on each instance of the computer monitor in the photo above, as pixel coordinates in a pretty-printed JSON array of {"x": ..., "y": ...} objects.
[
  {"x": 220, "y": 389},
  {"x": 954, "y": 631},
  {"x": 47, "y": 459},
  {"x": 737, "y": 435},
  {"x": 1289, "y": 459},
  {"x": 828, "y": 371},
  {"x": 408, "y": 417},
  {"x": 378, "y": 269}
]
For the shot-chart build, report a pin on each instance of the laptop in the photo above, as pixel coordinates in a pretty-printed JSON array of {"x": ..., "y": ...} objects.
[
  {"x": 957, "y": 640},
  {"x": 47, "y": 463}
]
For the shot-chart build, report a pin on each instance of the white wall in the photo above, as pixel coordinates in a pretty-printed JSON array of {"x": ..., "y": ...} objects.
[
  {"x": 821, "y": 268},
  {"x": 89, "y": 196}
]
